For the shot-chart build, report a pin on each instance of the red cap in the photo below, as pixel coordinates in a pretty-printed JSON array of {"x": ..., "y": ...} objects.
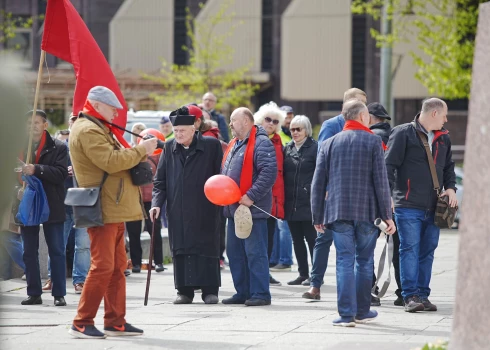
[{"x": 195, "y": 111}]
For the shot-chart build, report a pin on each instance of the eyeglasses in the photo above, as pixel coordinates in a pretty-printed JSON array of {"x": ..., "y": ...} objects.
[
  {"x": 296, "y": 129},
  {"x": 273, "y": 121}
]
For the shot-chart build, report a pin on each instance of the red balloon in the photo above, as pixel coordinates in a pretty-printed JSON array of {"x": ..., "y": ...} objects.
[
  {"x": 155, "y": 133},
  {"x": 222, "y": 190}
]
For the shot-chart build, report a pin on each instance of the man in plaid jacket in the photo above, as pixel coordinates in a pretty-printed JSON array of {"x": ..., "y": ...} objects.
[{"x": 352, "y": 164}]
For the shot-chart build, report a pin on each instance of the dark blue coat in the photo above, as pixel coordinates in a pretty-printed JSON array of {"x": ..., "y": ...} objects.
[
  {"x": 264, "y": 173},
  {"x": 330, "y": 128},
  {"x": 222, "y": 125},
  {"x": 352, "y": 164}
]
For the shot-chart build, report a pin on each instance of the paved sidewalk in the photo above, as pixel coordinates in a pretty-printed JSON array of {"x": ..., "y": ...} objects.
[{"x": 290, "y": 323}]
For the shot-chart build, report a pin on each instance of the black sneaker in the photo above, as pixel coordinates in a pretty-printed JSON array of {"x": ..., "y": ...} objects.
[
  {"x": 280, "y": 268},
  {"x": 428, "y": 306},
  {"x": 375, "y": 301},
  {"x": 233, "y": 301},
  {"x": 136, "y": 269},
  {"x": 413, "y": 304},
  {"x": 86, "y": 332},
  {"x": 399, "y": 302},
  {"x": 127, "y": 272},
  {"x": 257, "y": 302},
  {"x": 122, "y": 331},
  {"x": 274, "y": 282},
  {"x": 159, "y": 268}
]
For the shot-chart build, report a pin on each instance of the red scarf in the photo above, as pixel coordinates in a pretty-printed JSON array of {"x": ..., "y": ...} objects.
[
  {"x": 355, "y": 125},
  {"x": 248, "y": 161},
  {"x": 90, "y": 110}
]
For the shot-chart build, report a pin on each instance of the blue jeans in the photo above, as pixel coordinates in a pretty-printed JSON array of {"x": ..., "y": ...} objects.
[
  {"x": 419, "y": 237},
  {"x": 249, "y": 264},
  {"x": 282, "y": 252},
  {"x": 355, "y": 242},
  {"x": 81, "y": 259},
  {"x": 320, "y": 257},
  {"x": 53, "y": 233},
  {"x": 11, "y": 250}
]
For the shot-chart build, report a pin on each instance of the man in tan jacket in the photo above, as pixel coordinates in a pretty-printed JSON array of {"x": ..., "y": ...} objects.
[{"x": 95, "y": 151}]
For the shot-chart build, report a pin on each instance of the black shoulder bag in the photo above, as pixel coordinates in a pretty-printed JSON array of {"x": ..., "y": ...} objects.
[
  {"x": 86, "y": 203},
  {"x": 445, "y": 214}
]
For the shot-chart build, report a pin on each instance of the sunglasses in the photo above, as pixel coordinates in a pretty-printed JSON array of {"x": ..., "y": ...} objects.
[
  {"x": 65, "y": 132},
  {"x": 273, "y": 121},
  {"x": 296, "y": 129}
]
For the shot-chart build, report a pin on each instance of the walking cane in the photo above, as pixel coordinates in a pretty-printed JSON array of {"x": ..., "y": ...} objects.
[{"x": 150, "y": 263}]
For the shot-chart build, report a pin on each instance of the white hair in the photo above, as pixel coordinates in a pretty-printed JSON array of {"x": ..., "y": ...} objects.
[
  {"x": 304, "y": 122},
  {"x": 267, "y": 110}
]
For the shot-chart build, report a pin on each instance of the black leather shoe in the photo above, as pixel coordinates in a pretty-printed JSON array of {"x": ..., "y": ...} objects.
[
  {"x": 182, "y": 299},
  {"x": 399, "y": 302},
  {"x": 257, "y": 302},
  {"x": 136, "y": 269},
  {"x": 59, "y": 301},
  {"x": 298, "y": 281},
  {"x": 233, "y": 301},
  {"x": 32, "y": 300}
]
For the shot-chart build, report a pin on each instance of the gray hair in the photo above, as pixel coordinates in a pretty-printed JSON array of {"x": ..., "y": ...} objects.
[
  {"x": 429, "y": 104},
  {"x": 267, "y": 110},
  {"x": 352, "y": 109},
  {"x": 304, "y": 122}
]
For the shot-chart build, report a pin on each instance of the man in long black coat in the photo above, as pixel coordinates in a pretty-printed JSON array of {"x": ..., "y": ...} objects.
[{"x": 193, "y": 222}]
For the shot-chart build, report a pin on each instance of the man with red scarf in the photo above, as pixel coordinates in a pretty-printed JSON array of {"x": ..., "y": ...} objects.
[
  {"x": 99, "y": 159},
  {"x": 50, "y": 165},
  {"x": 352, "y": 164},
  {"x": 250, "y": 161}
]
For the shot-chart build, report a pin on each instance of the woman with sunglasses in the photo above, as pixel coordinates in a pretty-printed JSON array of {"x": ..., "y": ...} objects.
[
  {"x": 270, "y": 117},
  {"x": 299, "y": 167}
]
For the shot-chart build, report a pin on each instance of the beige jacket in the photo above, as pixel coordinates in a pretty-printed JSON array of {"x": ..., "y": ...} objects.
[{"x": 94, "y": 150}]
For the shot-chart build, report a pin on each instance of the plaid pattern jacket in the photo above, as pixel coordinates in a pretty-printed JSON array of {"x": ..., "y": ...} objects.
[{"x": 352, "y": 164}]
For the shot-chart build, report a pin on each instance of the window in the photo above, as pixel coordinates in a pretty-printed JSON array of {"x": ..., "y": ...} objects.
[{"x": 21, "y": 43}]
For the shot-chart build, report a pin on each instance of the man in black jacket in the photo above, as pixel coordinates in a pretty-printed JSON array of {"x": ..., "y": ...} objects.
[
  {"x": 185, "y": 165},
  {"x": 49, "y": 163},
  {"x": 415, "y": 198},
  {"x": 379, "y": 125}
]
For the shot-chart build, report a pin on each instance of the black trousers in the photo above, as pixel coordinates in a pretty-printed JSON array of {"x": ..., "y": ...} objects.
[
  {"x": 301, "y": 231},
  {"x": 271, "y": 228},
  {"x": 222, "y": 235},
  {"x": 134, "y": 233},
  {"x": 189, "y": 291}
]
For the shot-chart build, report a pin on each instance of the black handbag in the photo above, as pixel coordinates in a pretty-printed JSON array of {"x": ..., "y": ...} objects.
[
  {"x": 86, "y": 203},
  {"x": 141, "y": 174},
  {"x": 445, "y": 214}
]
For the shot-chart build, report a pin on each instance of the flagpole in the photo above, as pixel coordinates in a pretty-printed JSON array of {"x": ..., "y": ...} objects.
[{"x": 36, "y": 98}]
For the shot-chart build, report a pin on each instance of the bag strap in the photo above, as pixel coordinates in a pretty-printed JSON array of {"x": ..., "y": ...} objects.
[
  {"x": 432, "y": 166},
  {"x": 383, "y": 259},
  {"x": 75, "y": 183}
]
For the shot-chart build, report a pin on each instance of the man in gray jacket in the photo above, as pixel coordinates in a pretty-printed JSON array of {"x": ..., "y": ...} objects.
[{"x": 250, "y": 161}]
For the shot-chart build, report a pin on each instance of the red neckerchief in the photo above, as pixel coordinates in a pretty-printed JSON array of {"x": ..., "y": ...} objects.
[
  {"x": 355, "y": 125},
  {"x": 248, "y": 161},
  {"x": 90, "y": 110}
]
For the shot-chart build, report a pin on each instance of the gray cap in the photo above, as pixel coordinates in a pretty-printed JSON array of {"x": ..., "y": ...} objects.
[{"x": 104, "y": 95}]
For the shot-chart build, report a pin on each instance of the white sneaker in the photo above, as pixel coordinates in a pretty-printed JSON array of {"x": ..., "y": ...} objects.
[{"x": 24, "y": 277}]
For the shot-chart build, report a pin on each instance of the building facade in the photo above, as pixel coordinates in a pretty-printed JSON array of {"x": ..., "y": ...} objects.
[{"x": 304, "y": 53}]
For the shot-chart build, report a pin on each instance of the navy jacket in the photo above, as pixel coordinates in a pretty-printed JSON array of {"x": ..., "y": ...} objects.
[
  {"x": 331, "y": 127},
  {"x": 264, "y": 173},
  {"x": 352, "y": 164},
  {"x": 222, "y": 125},
  {"x": 383, "y": 130},
  {"x": 408, "y": 166}
]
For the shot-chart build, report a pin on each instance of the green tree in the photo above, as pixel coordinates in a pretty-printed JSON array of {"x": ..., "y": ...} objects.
[
  {"x": 445, "y": 33},
  {"x": 208, "y": 54},
  {"x": 9, "y": 24}
]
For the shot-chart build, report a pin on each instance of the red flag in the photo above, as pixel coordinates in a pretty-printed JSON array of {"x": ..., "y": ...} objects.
[{"x": 67, "y": 37}]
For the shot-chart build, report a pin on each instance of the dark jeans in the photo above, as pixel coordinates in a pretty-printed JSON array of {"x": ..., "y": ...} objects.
[
  {"x": 354, "y": 242},
  {"x": 271, "y": 229},
  {"x": 249, "y": 265},
  {"x": 53, "y": 233},
  {"x": 189, "y": 291},
  {"x": 134, "y": 234},
  {"x": 321, "y": 252},
  {"x": 301, "y": 231},
  {"x": 10, "y": 250},
  {"x": 419, "y": 237}
]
